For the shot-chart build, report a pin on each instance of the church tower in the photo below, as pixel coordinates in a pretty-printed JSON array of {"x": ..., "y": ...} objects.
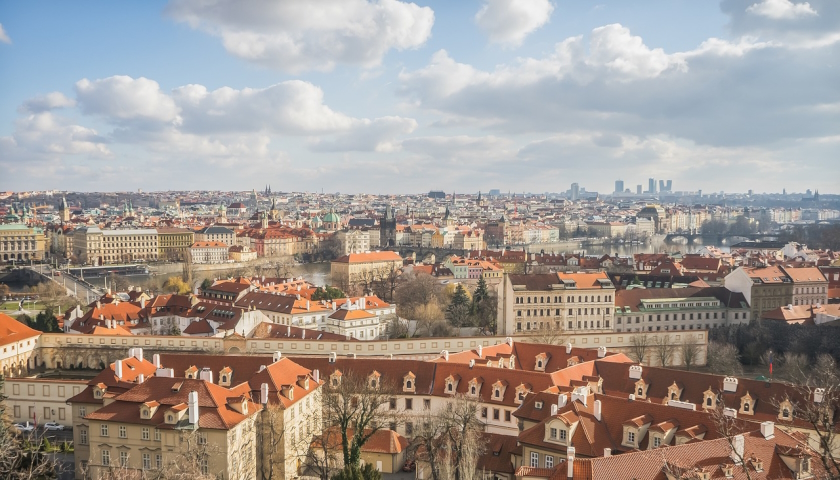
[
  {"x": 64, "y": 211},
  {"x": 388, "y": 228}
]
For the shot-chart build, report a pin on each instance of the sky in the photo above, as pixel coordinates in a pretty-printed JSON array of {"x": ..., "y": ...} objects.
[{"x": 389, "y": 96}]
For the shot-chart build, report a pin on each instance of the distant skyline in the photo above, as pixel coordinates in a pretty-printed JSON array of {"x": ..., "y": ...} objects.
[{"x": 388, "y": 96}]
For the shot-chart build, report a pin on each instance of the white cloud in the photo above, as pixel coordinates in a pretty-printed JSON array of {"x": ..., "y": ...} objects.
[
  {"x": 122, "y": 98},
  {"x": 510, "y": 21},
  {"x": 781, "y": 9},
  {"x": 378, "y": 135},
  {"x": 4, "y": 37},
  {"x": 298, "y": 35},
  {"x": 50, "y": 101},
  {"x": 613, "y": 47},
  {"x": 45, "y": 134}
]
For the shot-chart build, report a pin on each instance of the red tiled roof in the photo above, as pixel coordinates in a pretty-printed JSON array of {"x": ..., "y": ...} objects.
[{"x": 12, "y": 331}]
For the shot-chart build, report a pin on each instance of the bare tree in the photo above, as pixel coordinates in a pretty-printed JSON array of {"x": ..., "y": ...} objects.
[
  {"x": 358, "y": 405},
  {"x": 663, "y": 349},
  {"x": 730, "y": 428},
  {"x": 639, "y": 346},
  {"x": 548, "y": 335},
  {"x": 723, "y": 358},
  {"x": 690, "y": 352},
  {"x": 451, "y": 440},
  {"x": 416, "y": 290}
]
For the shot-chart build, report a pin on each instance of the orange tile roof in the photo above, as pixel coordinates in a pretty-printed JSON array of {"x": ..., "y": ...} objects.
[
  {"x": 12, "y": 331},
  {"x": 386, "y": 256}
]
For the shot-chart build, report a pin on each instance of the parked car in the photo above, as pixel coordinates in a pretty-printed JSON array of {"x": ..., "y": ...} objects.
[
  {"x": 24, "y": 427},
  {"x": 53, "y": 426}
]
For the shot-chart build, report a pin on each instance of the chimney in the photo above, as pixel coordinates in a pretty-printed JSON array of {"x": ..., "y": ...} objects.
[
  {"x": 289, "y": 331},
  {"x": 141, "y": 378},
  {"x": 363, "y": 302},
  {"x": 635, "y": 372},
  {"x": 445, "y": 355},
  {"x": 597, "y": 410},
  {"x": 730, "y": 384},
  {"x": 608, "y": 452},
  {"x": 156, "y": 360},
  {"x": 479, "y": 351},
  {"x": 277, "y": 356},
  {"x": 264, "y": 393},
  {"x": 138, "y": 354},
  {"x": 768, "y": 430},
  {"x": 568, "y": 348},
  {"x": 737, "y": 454},
  {"x": 192, "y": 405},
  {"x": 118, "y": 369},
  {"x": 472, "y": 362},
  {"x": 307, "y": 305},
  {"x": 316, "y": 375},
  {"x": 303, "y": 334},
  {"x": 142, "y": 302},
  {"x": 206, "y": 374},
  {"x": 98, "y": 304},
  {"x": 332, "y": 357},
  {"x": 164, "y": 372},
  {"x": 819, "y": 394},
  {"x": 333, "y": 305},
  {"x": 602, "y": 352},
  {"x": 561, "y": 400},
  {"x": 553, "y": 410},
  {"x": 570, "y": 462}
]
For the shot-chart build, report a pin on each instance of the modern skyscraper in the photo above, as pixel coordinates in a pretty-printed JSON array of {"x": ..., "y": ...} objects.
[
  {"x": 619, "y": 186},
  {"x": 638, "y": 189},
  {"x": 651, "y": 186},
  {"x": 575, "y": 193},
  {"x": 665, "y": 185}
]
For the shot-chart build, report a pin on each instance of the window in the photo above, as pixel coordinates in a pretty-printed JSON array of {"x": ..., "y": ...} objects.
[
  {"x": 507, "y": 415},
  {"x": 495, "y": 414},
  {"x": 552, "y": 433},
  {"x": 409, "y": 404},
  {"x": 157, "y": 435},
  {"x": 106, "y": 458},
  {"x": 484, "y": 412},
  {"x": 83, "y": 436},
  {"x": 657, "y": 441},
  {"x": 562, "y": 435},
  {"x": 103, "y": 430},
  {"x": 82, "y": 411},
  {"x": 549, "y": 461},
  {"x": 631, "y": 437},
  {"x": 147, "y": 461},
  {"x": 427, "y": 404},
  {"x": 144, "y": 433},
  {"x": 535, "y": 459},
  {"x": 122, "y": 431},
  {"x": 202, "y": 439},
  {"x": 204, "y": 465},
  {"x": 392, "y": 404},
  {"x": 747, "y": 406}
]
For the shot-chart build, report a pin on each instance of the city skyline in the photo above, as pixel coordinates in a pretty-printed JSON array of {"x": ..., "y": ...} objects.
[{"x": 390, "y": 96}]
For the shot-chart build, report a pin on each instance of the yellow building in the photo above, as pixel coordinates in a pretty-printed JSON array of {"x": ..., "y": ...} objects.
[
  {"x": 174, "y": 243},
  {"x": 21, "y": 243},
  {"x": 94, "y": 246},
  {"x": 356, "y": 268}
]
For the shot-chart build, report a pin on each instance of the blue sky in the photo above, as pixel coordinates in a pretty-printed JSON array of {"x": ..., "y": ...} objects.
[{"x": 389, "y": 96}]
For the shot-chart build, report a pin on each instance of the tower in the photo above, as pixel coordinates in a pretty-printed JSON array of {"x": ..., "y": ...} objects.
[
  {"x": 388, "y": 228},
  {"x": 64, "y": 210}
]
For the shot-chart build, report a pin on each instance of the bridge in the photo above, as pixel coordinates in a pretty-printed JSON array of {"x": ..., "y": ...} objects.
[
  {"x": 75, "y": 287},
  {"x": 717, "y": 239}
]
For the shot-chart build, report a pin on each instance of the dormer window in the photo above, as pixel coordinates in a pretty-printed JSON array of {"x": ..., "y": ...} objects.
[
  {"x": 335, "y": 379},
  {"x": 641, "y": 388},
  {"x": 785, "y": 409},
  {"x": 373, "y": 379},
  {"x": 497, "y": 392},
  {"x": 409, "y": 382},
  {"x": 472, "y": 390},
  {"x": 747, "y": 404},
  {"x": 709, "y": 399}
]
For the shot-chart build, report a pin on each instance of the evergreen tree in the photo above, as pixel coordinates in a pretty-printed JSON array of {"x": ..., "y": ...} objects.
[
  {"x": 46, "y": 322},
  {"x": 458, "y": 311}
]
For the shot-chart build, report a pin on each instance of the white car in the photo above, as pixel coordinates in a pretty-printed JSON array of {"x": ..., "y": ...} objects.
[
  {"x": 53, "y": 426},
  {"x": 24, "y": 427}
]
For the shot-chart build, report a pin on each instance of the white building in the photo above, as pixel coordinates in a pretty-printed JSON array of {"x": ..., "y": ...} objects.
[{"x": 209, "y": 252}]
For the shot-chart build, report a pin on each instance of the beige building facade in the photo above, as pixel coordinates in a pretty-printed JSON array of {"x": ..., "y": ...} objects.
[{"x": 20, "y": 243}]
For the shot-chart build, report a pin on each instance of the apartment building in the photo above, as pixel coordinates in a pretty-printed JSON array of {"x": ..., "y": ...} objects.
[
  {"x": 810, "y": 287},
  {"x": 676, "y": 309},
  {"x": 94, "y": 246},
  {"x": 174, "y": 243},
  {"x": 38, "y": 400},
  {"x": 765, "y": 287},
  {"x": 21, "y": 243},
  {"x": 350, "y": 269},
  {"x": 575, "y": 302},
  {"x": 216, "y": 233},
  {"x": 209, "y": 252},
  {"x": 215, "y": 409}
]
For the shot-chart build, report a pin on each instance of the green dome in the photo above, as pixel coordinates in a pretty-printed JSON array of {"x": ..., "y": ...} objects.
[{"x": 331, "y": 217}]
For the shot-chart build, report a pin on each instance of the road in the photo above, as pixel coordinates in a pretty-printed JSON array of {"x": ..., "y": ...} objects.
[{"x": 75, "y": 287}]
